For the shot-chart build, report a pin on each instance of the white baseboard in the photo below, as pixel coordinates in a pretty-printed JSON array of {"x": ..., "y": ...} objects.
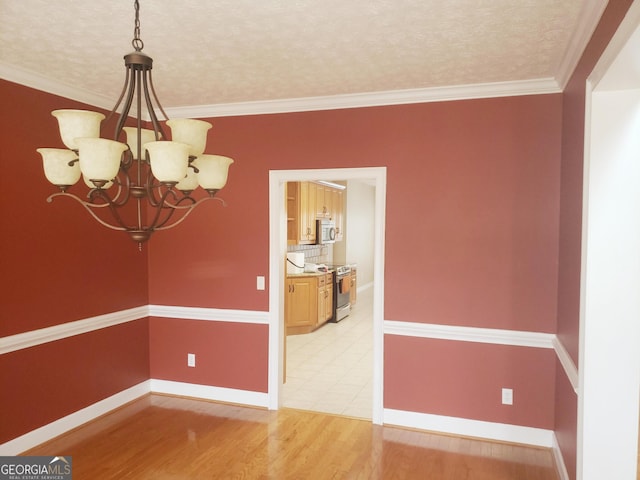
[
  {"x": 561, "y": 468},
  {"x": 74, "y": 420},
  {"x": 206, "y": 392},
  {"x": 470, "y": 428}
]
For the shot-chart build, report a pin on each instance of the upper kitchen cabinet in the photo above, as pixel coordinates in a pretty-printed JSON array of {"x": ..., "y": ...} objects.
[
  {"x": 301, "y": 213},
  {"x": 324, "y": 202},
  {"x": 308, "y": 202},
  {"x": 337, "y": 212}
]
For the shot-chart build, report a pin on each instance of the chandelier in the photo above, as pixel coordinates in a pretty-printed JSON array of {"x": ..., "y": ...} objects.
[{"x": 139, "y": 182}]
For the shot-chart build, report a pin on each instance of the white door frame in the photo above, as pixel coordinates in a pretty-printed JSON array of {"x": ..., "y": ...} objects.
[
  {"x": 277, "y": 254},
  {"x": 609, "y": 364}
]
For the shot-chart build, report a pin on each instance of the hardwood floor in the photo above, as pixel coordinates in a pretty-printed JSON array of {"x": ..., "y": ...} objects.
[{"x": 162, "y": 437}]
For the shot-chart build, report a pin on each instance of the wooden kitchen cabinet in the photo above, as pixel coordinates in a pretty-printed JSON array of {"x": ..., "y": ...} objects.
[
  {"x": 301, "y": 213},
  {"x": 353, "y": 290},
  {"x": 308, "y": 302},
  {"x": 301, "y": 304},
  {"x": 337, "y": 212},
  {"x": 308, "y": 202},
  {"x": 328, "y": 298},
  {"x": 324, "y": 202}
]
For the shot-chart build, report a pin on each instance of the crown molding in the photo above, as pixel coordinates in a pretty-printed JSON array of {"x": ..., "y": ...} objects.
[
  {"x": 290, "y": 105},
  {"x": 372, "y": 99},
  {"x": 44, "y": 84},
  {"x": 590, "y": 15}
]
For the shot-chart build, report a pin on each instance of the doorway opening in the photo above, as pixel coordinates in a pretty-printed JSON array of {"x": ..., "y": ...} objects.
[
  {"x": 375, "y": 176},
  {"x": 610, "y": 303}
]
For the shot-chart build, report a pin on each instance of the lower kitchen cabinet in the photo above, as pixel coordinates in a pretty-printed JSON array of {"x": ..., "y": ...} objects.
[
  {"x": 353, "y": 290},
  {"x": 308, "y": 302}
]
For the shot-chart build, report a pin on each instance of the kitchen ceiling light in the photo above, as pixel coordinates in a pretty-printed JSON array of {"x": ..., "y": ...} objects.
[{"x": 141, "y": 183}]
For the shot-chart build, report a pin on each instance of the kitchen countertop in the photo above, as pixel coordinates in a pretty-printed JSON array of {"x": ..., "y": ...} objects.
[{"x": 308, "y": 274}]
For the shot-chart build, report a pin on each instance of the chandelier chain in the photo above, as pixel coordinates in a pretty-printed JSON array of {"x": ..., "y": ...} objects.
[{"x": 137, "y": 43}]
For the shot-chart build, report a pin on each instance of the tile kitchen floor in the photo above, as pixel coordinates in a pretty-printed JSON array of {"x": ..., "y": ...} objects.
[{"x": 330, "y": 370}]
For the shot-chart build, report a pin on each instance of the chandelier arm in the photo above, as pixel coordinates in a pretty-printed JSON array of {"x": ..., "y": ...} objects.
[
  {"x": 127, "y": 105},
  {"x": 115, "y": 107},
  {"x": 123, "y": 188},
  {"x": 113, "y": 207},
  {"x": 163, "y": 206},
  {"x": 151, "y": 187},
  {"x": 177, "y": 205},
  {"x": 189, "y": 209},
  {"x": 155, "y": 97},
  {"x": 148, "y": 82},
  {"x": 89, "y": 208}
]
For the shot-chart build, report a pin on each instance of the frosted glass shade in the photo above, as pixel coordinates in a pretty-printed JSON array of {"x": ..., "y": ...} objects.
[
  {"x": 189, "y": 131},
  {"x": 77, "y": 124},
  {"x": 214, "y": 170},
  {"x": 146, "y": 136},
  {"x": 169, "y": 160},
  {"x": 188, "y": 183},
  {"x": 56, "y": 166},
  {"x": 100, "y": 158}
]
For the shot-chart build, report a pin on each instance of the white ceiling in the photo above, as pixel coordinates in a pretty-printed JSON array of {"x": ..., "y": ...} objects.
[{"x": 225, "y": 53}]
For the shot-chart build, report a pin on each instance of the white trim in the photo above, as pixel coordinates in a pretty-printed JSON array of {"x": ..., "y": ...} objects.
[
  {"x": 470, "y": 428},
  {"x": 64, "y": 330},
  {"x": 32, "y": 338},
  {"x": 209, "y": 314},
  {"x": 277, "y": 250},
  {"x": 589, "y": 18},
  {"x": 73, "y": 420},
  {"x": 561, "y": 467},
  {"x": 207, "y": 392},
  {"x": 607, "y": 434},
  {"x": 372, "y": 99},
  {"x": 567, "y": 363},
  {"x": 357, "y": 100},
  {"x": 470, "y": 334},
  {"x": 31, "y": 79}
]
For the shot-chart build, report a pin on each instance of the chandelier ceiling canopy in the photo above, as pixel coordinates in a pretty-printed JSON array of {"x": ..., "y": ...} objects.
[{"x": 139, "y": 181}]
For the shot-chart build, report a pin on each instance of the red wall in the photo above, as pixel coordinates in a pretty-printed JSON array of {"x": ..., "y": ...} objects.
[
  {"x": 44, "y": 383},
  {"x": 465, "y": 379},
  {"x": 58, "y": 266},
  {"x": 471, "y": 238},
  {"x": 230, "y": 355},
  {"x": 472, "y": 209}
]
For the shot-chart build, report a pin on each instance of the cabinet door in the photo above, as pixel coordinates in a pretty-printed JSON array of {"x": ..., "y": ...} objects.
[
  {"x": 293, "y": 213},
  {"x": 301, "y": 305},
  {"x": 329, "y": 298},
  {"x": 307, "y": 213},
  {"x": 322, "y": 305},
  {"x": 353, "y": 288},
  {"x": 337, "y": 212}
]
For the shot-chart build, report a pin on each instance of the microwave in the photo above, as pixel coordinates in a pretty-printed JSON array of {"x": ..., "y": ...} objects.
[{"x": 325, "y": 232}]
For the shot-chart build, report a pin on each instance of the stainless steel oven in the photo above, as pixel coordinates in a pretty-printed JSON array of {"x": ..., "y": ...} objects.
[{"x": 341, "y": 292}]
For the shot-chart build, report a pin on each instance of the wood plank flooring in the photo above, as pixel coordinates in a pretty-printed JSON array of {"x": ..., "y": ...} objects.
[{"x": 166, "y": 438}]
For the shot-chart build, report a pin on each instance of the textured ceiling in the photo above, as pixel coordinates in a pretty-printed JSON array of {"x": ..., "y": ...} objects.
[{"x": 210, "y": 52}]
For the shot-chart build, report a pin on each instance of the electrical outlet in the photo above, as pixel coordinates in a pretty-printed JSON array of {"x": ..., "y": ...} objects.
[
  {"x": 507, "y": 396},
  {"x": 191, "y": 359},
  {"x": 260, "y": 283}
]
